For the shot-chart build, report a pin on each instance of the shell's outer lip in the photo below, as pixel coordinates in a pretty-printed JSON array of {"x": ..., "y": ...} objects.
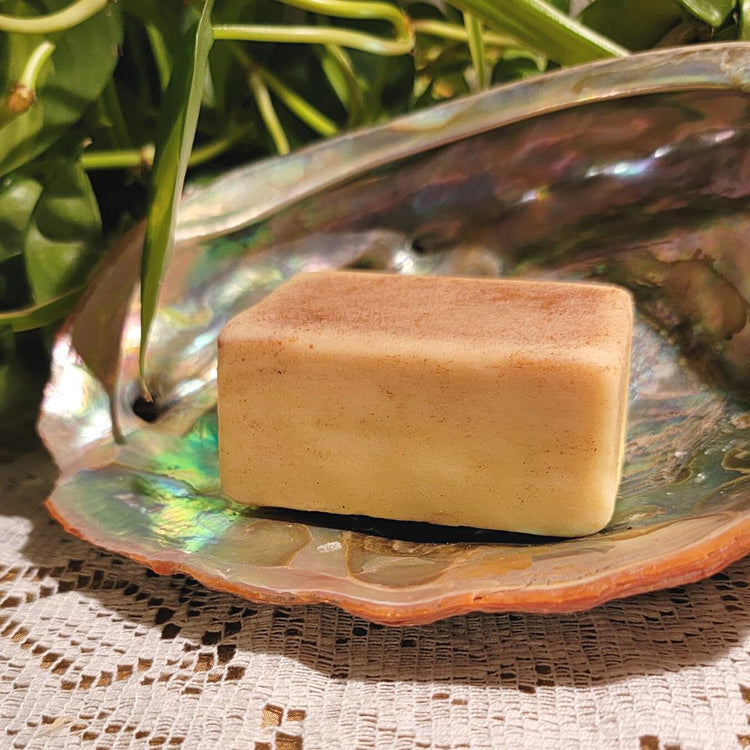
[
  {"x": 697, "y": 561},
  {"x": 717, "y": 66}
]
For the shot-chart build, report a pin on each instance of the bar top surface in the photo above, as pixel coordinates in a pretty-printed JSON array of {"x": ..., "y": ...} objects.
[{"x": 503, "y": 316}]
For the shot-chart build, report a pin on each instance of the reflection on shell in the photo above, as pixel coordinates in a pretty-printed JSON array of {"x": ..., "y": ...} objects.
[{"x": 635, "y": 171}]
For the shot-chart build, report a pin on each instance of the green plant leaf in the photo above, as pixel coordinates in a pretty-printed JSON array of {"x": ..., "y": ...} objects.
[
  {"x": 22, "y": 376},
  {"x": 227, "y": 77},
  {"x": 49, "y": 239},
  {"x": 635, "y": 24},
  {"x": 67, "y": 85},
  {"x": 544, "y": 28},
  {"x": 515, "y": 65},
  {"x": 63, "y": 238},
  {"x": 713, "y": 12},
  {"x": 336, "y": 65},
  {"x": 14, "y": 289},
  {"x": 744, "y": 20},
  {"x": 35, "y": 316},
  {"x": 476, "y": 48},
  {"x": 728, "y": 33},
  {"x": 49, "y": 220},
  {"x": 300, "y": 68},
  {"x": 161, "y": 23},
  {"x": 386, "y": 83},
  {"x": 179, "y": 118}
]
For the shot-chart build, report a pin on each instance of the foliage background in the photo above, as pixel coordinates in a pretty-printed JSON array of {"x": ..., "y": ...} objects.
[{"x": 106, "y": 105}]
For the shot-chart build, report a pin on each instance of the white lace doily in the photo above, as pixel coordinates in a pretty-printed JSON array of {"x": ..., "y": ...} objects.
[{"x": 98, "y": 652}]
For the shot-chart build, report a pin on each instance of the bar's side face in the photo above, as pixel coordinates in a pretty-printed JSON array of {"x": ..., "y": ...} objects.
[{"x": 520, "y": 442}]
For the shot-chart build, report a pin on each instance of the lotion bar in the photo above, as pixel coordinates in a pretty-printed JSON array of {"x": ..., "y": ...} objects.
[{"x": 474, "y": 402}]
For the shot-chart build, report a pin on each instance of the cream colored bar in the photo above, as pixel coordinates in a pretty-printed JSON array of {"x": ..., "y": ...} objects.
[{"x": 472, "y": 402}]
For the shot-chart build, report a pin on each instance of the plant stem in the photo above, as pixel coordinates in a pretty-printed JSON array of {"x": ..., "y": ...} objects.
[
  {"x": 294, "y": 102},
  {"x": 35, "y": 64},
  {"x": 476, "y": 48},
  {"x": 23, "y": 94},
  {"x": 374, "y": 95},
  {"x": 160, "y": 54},
  {"x": 208, "y": 151},
  {"x": 337, "y": 66},
  {"x": 356, "y": 9},
  {"x": 125, "y": 158},
  {"x": 75, "y": 13},
  {"x": 299, "y": 106},
  {"x": 110, "y": 105},
  {"x": 322, "y": 35},
  {"x": 400, "y": 45},
  {"x": 135, "y": 158},
  {"x": 456, "y": 33},
  {"x": 268, "y": 113}
]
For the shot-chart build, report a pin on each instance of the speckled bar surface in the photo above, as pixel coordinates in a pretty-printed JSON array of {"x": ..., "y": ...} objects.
[{"x": 467, "y": 402}]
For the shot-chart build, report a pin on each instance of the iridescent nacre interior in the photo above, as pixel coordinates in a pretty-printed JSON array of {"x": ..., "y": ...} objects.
[{"x": 635, "y": 171}]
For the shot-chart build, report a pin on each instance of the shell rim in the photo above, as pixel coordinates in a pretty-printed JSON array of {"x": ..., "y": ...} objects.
[
  {"x": 694, "y": 562},
  {"x": 698, "y": 560}
]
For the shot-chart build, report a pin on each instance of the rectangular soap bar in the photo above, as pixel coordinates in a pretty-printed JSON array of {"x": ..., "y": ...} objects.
[{"x": 474, "y": 402}]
